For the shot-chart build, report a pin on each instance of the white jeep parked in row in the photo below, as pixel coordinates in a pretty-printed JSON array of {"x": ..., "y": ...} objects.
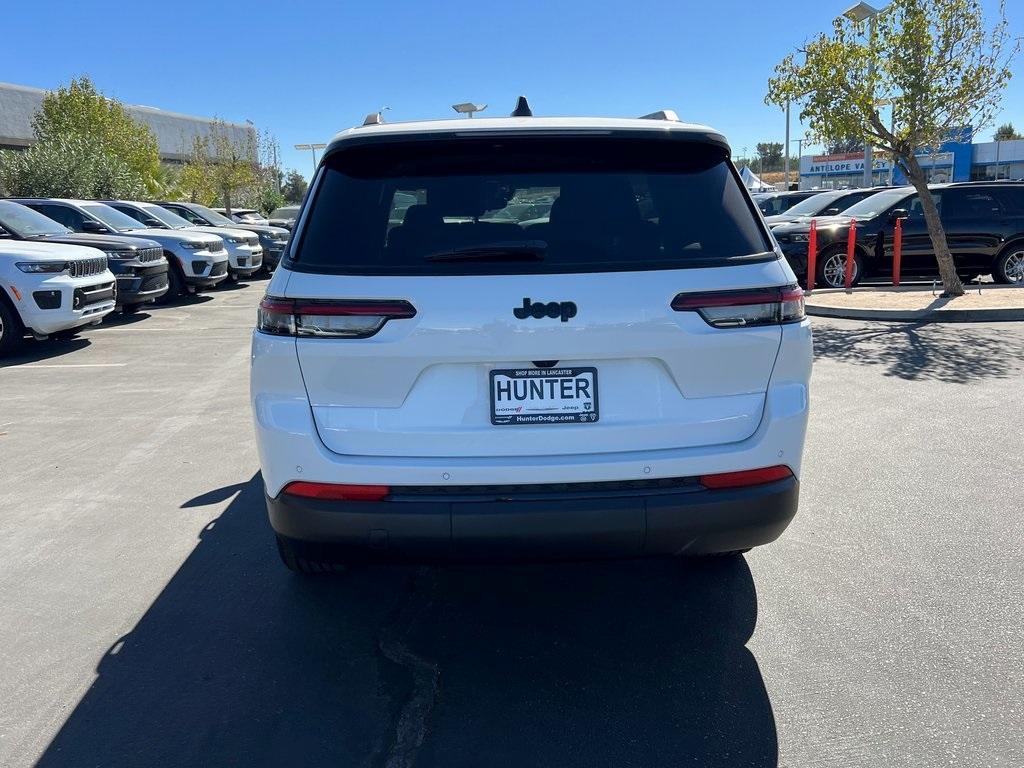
[{"x": 48, "y": 288}]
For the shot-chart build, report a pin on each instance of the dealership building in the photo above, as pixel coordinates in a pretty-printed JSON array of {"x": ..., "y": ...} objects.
[
  {"x": 174, "y": 132},
  {"x": 958, "y": 160}
]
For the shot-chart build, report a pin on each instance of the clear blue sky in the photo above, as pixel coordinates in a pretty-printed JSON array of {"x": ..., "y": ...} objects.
[{"x": 306, "y": 70}]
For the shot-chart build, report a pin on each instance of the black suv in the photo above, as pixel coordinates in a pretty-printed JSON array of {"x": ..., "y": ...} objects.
[
  {"x": 827, "y": 203},
  {"x": 984, "y": 223},
  {"x": 138, "y": 265},
  {"x": 273, "y": 239},
  {"x": 774, "y": 203}
]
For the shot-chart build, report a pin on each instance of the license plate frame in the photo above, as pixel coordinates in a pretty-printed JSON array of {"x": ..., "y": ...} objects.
[{"x": 582, "y": 408}]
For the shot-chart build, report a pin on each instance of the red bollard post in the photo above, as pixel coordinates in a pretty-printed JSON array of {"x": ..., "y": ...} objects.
[
  {"x": 851, "y": 244},
  {"x": 897, "y": 251},
  {"x": 812, "y": 255}
]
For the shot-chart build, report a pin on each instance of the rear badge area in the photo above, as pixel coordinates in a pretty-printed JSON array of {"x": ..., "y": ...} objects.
[{"x": 544, "y": 396}]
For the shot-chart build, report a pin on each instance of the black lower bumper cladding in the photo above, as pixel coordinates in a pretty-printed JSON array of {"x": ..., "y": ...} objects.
[{"x": 647, "y": 518}]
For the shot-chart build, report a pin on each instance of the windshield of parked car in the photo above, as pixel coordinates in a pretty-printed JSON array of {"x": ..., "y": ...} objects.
[
  {"x": 113, "y": 218},
  {"x": 488, "y": 206},
  {"x": 171, "y": 219},
  {"x": 877, "y": 204},
  {"x": 288, "y": 212},
  {"x": 22, "y": 221},
  {"x": 814, "y": 204},
  {"x": 215, "y": 219},
  {"x": 250, "y": 217}
]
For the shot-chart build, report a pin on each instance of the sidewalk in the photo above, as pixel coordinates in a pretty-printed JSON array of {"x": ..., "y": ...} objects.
[{"x": 919, "y": 304}]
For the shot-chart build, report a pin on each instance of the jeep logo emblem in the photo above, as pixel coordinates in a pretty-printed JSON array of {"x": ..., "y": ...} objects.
[{"x": 553, "y": 309}]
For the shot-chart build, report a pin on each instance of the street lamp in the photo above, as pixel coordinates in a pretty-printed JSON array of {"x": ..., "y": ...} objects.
[
  {"x": 799, "y": 156},
  {"x": 467, "y": 108},
  {"x": 313, "y": 148},
  {"x": 858, "y": 14}
]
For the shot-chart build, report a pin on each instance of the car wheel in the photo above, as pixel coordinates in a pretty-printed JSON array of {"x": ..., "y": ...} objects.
[
  {"x": 1010, "y": 265},
  {"x": 296, "y": 559},
  {"x": 832, "y": 268},
  {"x": 175, "y": 284},
  {"x": 11, "y": 331}
]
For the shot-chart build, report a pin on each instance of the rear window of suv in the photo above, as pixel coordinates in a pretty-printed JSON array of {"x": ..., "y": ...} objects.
[{"x": 527, "y": 205}]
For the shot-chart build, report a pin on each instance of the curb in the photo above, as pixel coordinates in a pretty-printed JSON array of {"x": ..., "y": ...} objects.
[{"x": 920, "y": 315}]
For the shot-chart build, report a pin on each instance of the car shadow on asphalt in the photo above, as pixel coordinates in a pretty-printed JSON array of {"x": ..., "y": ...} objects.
[
  {"x": 34, "y": 351},
  {"x": 238, "y": 662},
  {"x": 954, "y": 353}
]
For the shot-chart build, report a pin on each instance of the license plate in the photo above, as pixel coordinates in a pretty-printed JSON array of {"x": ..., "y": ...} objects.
[{"x": 544, "y": 396}]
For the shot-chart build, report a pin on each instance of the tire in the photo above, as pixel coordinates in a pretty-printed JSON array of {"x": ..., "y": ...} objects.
[
  {"x": 12, "y": 332},
  {"x": 295, "y": 559},
  {"x": 831, "y": 268},
  {"x": 1009, "y": 267},
  {"x": 175, "y": 282}
]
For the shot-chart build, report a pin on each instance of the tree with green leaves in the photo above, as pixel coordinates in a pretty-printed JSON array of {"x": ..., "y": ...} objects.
[
  {"x": 68, "y": 166},
  {"x": 221, "y": 165},
  {"x": 294, "y": 187},
  {"x": 933, "y": 60},
  {"x": 87, "y": 145},
  {"x": 1006, "y": 132},
  {"x": 81, "y": 110},
  {"x": 770, "y": 153},
  {"x": 845, "y": 146}
]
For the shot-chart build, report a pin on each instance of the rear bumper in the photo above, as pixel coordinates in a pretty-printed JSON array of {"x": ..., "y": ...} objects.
[{"x": 539, "y": 523}]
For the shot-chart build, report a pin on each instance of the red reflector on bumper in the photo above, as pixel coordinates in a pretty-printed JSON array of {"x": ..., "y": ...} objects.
[
  {"x": 337, "y": 492},
  {"x": 746, "y": 478}
]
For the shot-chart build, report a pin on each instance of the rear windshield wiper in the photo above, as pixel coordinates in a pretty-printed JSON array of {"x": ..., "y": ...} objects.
[{"x": 529, "y": 250}]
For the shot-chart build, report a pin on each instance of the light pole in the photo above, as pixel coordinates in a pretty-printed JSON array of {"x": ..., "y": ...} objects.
[
  {"x": 860, "y": 13},
  {"x": 313, "y": 148},
  {"x": 799, "y": 156},
  {"x": 785, "y": 163}
]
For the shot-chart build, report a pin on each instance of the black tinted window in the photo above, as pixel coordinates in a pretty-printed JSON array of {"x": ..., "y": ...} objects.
[
  {"x": 575, "y": 205},
  {"x": 69, "y": 217},
  {"x": 969, "y": 204}
]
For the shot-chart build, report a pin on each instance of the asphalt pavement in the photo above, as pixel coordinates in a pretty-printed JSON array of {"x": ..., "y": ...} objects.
[{"x": 147, "y": 622}]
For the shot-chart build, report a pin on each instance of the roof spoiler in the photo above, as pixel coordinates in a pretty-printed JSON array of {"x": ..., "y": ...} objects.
[{"x": 662, "y": 114}]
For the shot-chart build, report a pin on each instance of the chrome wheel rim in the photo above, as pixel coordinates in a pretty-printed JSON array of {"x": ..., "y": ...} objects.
[
  {"x": 1014, "y": 268},
  {"x": 834, "y": 270}
]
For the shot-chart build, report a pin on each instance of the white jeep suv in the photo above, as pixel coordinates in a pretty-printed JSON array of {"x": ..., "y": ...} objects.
[
  {"x": 625, "y": 375},
  {"x": 48, "y": 288}
]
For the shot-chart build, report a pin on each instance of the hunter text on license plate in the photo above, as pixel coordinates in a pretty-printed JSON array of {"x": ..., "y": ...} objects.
[{"x": 544, "y": 396}]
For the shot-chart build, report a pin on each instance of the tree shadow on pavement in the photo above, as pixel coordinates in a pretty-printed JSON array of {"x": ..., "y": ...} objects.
[
  {"x": 238, "y": 662},
  {"x": 953, "y": 353}
]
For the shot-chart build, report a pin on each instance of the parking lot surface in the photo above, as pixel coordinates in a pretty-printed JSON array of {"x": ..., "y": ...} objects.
[{"x": 147, "y": 621}]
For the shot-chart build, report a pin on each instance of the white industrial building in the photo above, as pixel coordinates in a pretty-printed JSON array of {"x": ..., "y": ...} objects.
[{"x": 174, "y": 131}]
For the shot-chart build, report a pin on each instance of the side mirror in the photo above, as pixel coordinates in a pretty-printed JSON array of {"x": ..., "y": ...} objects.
[
  {"x": 831, "y": 212},
  {"x": 898, "y": 213},
  {"x": 94, "y": 227}
]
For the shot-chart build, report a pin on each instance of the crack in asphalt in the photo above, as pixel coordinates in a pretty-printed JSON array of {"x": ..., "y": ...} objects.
[{"x": 414, "y": 716}]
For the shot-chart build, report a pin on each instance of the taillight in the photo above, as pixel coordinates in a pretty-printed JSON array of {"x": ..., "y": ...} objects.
[
  {"x": 742, "y": 309},
  {"x": 746, "y": 478},
  {"x": 345, "y": 318},
  {"x": 337, "y": 491}
]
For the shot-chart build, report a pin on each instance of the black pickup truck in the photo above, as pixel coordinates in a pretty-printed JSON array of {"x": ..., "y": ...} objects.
[
  {"x": 138, "y": 265},
  {"x": 984, "y": 224}
]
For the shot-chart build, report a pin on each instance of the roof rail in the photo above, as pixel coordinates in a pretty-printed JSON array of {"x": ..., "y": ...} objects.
[
  {"x": 662, "y": 114},
  {"x": 374, "y": 118}
]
